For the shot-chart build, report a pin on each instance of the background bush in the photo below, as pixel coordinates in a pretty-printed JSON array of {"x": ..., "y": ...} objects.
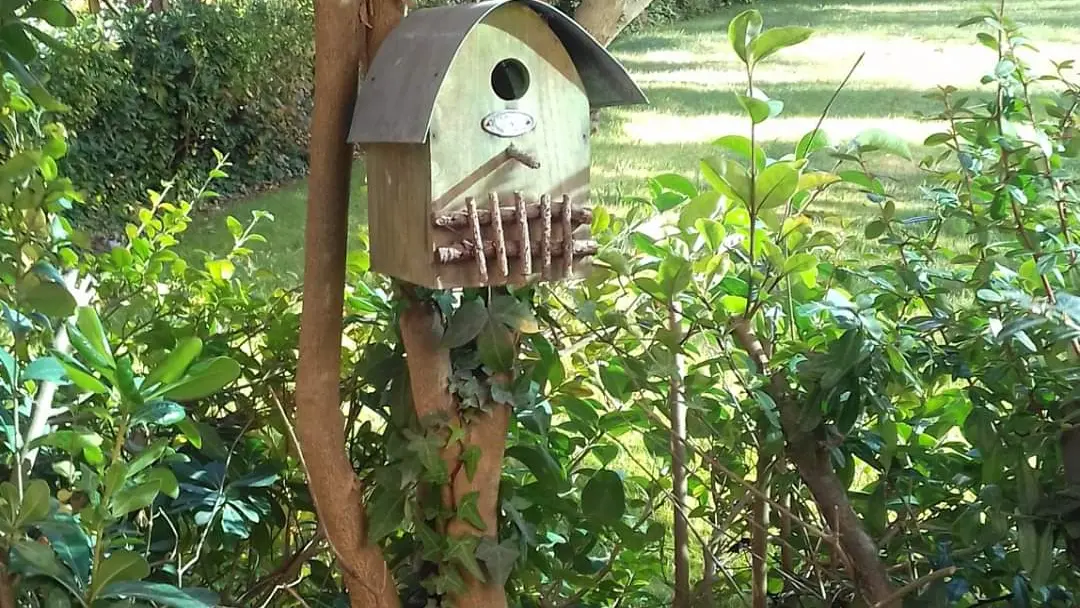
[{"x": 152, "y": 95}]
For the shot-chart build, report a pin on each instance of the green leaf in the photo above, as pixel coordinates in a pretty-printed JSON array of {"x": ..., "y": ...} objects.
[
  {"x": 125, "y": 381},
  {"x": 35, "y": 503},
  {"x": 70, "y": 543},
  {"x": 742, "y": 147},
  {"x": 702, "y": 206},
  {"x": 757, "y": 109},
  {"x": 742, "y": 31},
  {"x": 776, "y": 184},
  {"x": 220, "y": 270},
  {"x": 810, "y": 143},
  {"x": 89, "y": 324},
  {"x": 82, "y": 379},
  {"x": 50, "y": 299},
  {"x": 1021, "y": 594},
  {"x": 386, "y": 512},
  {"x": 146, "y": 458},
  {"x": 498, "y": 559},
  {"x": 471, "y": 457},
  {"x": 431, "y": 541},
  {"x": 191, "y": 432},
  {"x": 776, "y": 39},
  {"x": 513, "y": 313},
  {"x": 604, "y": 498},
  {"x": 74, "y": 442},
  {"x": 160, "y": 413},
  {"x": 468, "y": 512},
  {"x": 1029, "y": 490},
  {"x": 161, "y": 594},
  {"x": 173, "y": 366},
  {"x": 120, "y": 566},
  {"x": 46, "y": 369},
  {"x": 32, "y": 558},
  {"x": 884, "y": 141},
  {"x": 540, "y": 464},
  {"x": 816, "y": 179},
  {"x": 496, "y": 347},
  {"x": 462, "y": 550},
  {"x": 134, "y": 498},
  {"x": 800, "y": 262},
  {"x": 204, "y": 379},
  {"x": 728, "y": 178},
  {"x": 52, "y": 11},
  {"x": 466, "y": 323},
  {"x": 677, "y": 183},
  {"x": 735, "y": 305},
  {"x": 674, "y": 276},
  {"x": 875, "y": 229},
  {"x": 166, "y": 480},
  {"x": 713, "y": 231}
]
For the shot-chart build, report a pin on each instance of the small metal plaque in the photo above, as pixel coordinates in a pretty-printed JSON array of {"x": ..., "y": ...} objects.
[{"x": 508, "y": 123}]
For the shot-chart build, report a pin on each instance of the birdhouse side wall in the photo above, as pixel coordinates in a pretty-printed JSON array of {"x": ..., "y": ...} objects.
[
  {"x": 469, "y": 162},
  {"x": 399, "y": 216}
]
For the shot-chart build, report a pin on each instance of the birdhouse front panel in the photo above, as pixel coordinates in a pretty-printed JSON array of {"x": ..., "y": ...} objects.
[
  {"x": 510, "y": 126},
  {"x": 475, "y": 124}
]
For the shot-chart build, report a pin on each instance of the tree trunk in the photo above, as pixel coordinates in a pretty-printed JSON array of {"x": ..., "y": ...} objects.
[
  {"x": 341, "y": 47},
  {"x": 677, "y": 411},
  {"x": 759, "y": 533},
  {"x": 811, "y": 460},
  {"x": 604, "y": 19},
  {"x": 429, "y": 374}
]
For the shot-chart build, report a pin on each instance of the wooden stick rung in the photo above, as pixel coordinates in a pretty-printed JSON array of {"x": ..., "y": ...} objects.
[
  {"x": 460, "y": 218},
  {"x": 545, "y": 235},
  {"x": 474, "y": 220},
  {"x": 523, "y": 233},
  {"x": 500, "y": 237},
  {"x": 451, "y": 254},
  {"x": 568, "y": 235}
]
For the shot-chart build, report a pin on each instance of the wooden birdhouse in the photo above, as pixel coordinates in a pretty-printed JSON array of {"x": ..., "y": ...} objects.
[{"x": 475, "y": 123}]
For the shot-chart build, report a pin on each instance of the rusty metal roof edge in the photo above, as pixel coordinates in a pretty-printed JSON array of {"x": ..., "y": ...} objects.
[{"x": 399, "y": 109}]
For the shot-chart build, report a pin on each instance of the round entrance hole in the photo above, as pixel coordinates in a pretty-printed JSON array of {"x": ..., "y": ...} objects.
[{"x": 510, "y": 79}]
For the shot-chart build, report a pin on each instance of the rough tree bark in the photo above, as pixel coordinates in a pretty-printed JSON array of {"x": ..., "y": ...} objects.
[
  {"x": 604, "y": 19},
  {"x": 677, "y": 410},
  {"x": 342, "y": 45},
  {"x": 811, "y": 459}
]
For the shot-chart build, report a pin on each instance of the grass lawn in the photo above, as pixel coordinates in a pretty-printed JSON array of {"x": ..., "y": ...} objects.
[{"x": 689, "y": 74}]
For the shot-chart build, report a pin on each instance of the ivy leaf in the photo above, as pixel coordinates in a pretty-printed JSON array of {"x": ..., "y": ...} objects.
[
  {"x": 431, "y": 541},
  {"x": 604, "y": 498},
  {"x": 466, "y": 323},
  {"x": 471, "y": 457},
  {"x": 204, "y": 379},
  {"x": 498, "y": 559},
  {"x": 118, "y": 567},
  {"x": 468, "y": 511},
  {"x": 386, "y": 512},
  {"x": 161, "y": 594},
  {"x": 462, "y": 550}
]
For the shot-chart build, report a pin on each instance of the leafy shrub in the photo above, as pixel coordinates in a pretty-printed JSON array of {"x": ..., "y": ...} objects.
[{"x": 151, "y": 95}]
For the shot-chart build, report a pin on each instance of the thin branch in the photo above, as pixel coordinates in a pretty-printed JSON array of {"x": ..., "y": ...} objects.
[{"x": 916, "y": 585}]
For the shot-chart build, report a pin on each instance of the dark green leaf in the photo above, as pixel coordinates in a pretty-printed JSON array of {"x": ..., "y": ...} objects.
[
  {"x": 47, "y": 369},
  {"x": 161, "y": 594},
  {"x": 160, "y": 413},
  {"x": 496, "y": 347},
  {"x": 34, "y": 558},
  {"x": 540, "y": 463},
  {"x": 134, "y": 498},
  {"x": 498, "y": 559},
  {"x": 514, "y": 313},
  {"x": 70, "y": 543},
  {"x": 604, "y": 498},
  {"x": 466, "y": 323},
  {"x": 51, "y": 299},
  {"x": 386, "y": 512},
  {"x": 52, "y": 11},
  {"x": 470, "y": 458},
  {"x": 118, "y": 567},
  {"x": 35, "y": 503},
  {"x": 463, "y": 551}
]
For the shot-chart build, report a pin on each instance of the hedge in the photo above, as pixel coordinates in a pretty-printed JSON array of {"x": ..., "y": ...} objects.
[{"x": 152, "y": 96}]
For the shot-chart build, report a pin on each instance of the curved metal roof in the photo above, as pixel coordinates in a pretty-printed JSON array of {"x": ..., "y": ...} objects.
[{"x": 395, "y": 102}]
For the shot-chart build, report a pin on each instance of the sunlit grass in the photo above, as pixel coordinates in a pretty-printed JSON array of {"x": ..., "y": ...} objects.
[{"x": 690, "y": 75}]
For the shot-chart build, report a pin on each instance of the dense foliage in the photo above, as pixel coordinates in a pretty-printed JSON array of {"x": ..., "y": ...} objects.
[
  {"x": 151, "y": 95},
  {"x": 907, "y": 411}
]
